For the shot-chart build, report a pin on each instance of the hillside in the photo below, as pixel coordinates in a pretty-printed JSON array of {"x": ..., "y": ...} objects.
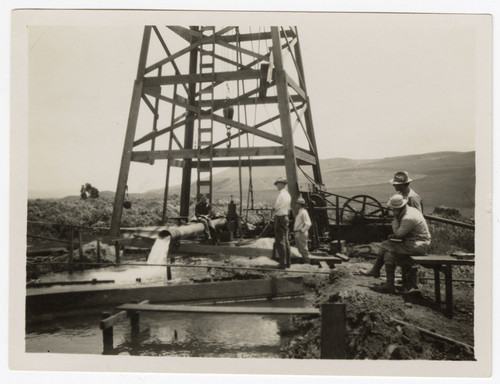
[{"x": 441, "y": 179}]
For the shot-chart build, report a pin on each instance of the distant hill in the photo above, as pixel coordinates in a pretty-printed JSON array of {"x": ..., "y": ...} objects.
[{"x": 441, "y": 179}]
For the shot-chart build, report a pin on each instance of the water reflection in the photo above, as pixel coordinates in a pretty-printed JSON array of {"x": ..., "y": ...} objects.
[{"x": 170, "y": 334}]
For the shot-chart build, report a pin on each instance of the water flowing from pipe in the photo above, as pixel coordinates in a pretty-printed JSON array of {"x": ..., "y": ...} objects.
[{"x": 159, "y": 252}]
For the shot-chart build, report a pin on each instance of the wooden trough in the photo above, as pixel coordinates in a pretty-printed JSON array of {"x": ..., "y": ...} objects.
[
  {"x": 333, "y": 321},
  {"x": 43, "y": 300}
]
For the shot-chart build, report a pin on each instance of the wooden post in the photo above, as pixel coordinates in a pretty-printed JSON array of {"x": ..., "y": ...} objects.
[
  {"x": 107, "y": 336},
  {"x": 169, "y": 273},
  {"x": 80, "y": 243},
  {"x": 333, "y": 331},
  {"x": 307, "y": 114},
  {"x": 117, "y": 252},
  {"x": 129, "y": 136},
  {"x": 70, "y": 256},
  {"x": 274, "y": 287},
  {"x": 98, "y": 250},
  {"x": 135, "y": 325},
  {"x": 189, "y": 136},
  {"x": 286, "y": 124},
  {"x": 448, "y": 289},
  {"x": 437, "y": 287}
]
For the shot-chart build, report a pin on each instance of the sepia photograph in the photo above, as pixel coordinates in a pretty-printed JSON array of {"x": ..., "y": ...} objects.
[{"x": 290, "y": 193}]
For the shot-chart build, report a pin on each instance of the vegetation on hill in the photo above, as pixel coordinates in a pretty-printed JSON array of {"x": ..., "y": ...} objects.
[{"x": 96, "y": 215}]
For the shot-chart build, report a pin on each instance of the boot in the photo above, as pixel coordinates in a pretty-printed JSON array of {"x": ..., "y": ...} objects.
[
  {"x": 405, "y": 271},
  {"x": 412, "y": 283},
  {"x": 375, "y": 271},
  {"x": 388, "y": 286}
]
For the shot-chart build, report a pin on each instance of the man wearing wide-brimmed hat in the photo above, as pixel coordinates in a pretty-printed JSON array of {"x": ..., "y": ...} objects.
[
  {"x": 401, "y": 183},
  {"x": 281, "y": 223},
  {"x": 301, "y": 227},
  {"x": 410, "y": 236}
]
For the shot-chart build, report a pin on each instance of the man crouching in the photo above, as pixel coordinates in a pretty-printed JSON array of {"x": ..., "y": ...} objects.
[{"x": 410, "y": 237}]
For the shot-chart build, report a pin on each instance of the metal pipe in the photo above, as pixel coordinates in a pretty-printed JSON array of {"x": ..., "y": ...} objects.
[{"x": 178, "y": 233}]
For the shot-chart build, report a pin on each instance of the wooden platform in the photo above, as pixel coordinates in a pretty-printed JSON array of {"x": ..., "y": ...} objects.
[
  {"x": 43, "y": 300},
  {"x": 216, "y": 309},
  {"x": 443, "y": 263}
]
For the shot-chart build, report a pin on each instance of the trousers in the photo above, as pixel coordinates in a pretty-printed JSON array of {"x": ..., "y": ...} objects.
[
  {"x": 301, "y": 243},
  {"x": 282, "y": 244}
]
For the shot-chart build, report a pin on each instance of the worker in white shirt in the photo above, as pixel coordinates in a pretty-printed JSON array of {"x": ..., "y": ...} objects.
[
  {"x": 281, "y": 223},
  {"x": 301, "y": 229}
]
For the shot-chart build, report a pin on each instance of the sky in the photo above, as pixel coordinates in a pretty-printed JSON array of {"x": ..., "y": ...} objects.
[{"x": 380, "y": 85}]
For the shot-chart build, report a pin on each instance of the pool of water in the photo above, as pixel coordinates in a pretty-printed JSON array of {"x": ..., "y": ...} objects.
[{"x": 170, "y": 334}]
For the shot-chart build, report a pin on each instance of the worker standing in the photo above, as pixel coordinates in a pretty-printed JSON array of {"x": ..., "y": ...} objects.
[
  {"x": 281, "y": 223},
  {"x": 301, "y": 229}
]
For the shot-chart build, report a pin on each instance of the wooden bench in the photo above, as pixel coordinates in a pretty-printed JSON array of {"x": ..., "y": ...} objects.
[{"x": 443, "y": 263}]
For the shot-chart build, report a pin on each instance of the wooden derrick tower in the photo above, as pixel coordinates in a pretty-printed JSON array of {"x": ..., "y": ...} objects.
[{"x": 206, "y": 89}]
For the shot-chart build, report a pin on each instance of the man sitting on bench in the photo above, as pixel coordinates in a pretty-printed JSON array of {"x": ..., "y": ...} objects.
[{"x": 410, "y": 237}]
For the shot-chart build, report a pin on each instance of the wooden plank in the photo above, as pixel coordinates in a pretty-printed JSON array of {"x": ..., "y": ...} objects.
[
  {"x": 176, "y": 55},
  {"x": 247, "y": 128},
  {"x": 253, "y": 36},
  {"x": 242, "y": 74},
  {"x": 224, "y": 250},
  {"x": 248, "y": 101},
  {"x": 111, "y": 320},
  {"x": 330, "y": 259},
  {"x": 304, "y": 156},
  {"x": 217, "y": 152},
  {"x": 43, "y": 301},
  {"x": 186, "y": 33},
  {"x": 242, "y": 50},
  {"x": 244, "y": 163},
  {"x": 215, "y": 309},
  {"x": 342, "y": 256},
  {"x": 181, "y": 102},
  {"x": 324, "y": 265},
  {"x": 440, "y": 260},
  {"x": 291, "y": 82},
  {"x": 80, "y": 282}
]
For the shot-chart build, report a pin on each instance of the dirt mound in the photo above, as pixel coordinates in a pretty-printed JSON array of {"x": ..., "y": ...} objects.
[{"x": 378, "y": 326}]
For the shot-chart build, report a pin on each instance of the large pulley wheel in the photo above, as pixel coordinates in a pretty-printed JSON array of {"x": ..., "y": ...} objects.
[{"x": 360, "y": 208}]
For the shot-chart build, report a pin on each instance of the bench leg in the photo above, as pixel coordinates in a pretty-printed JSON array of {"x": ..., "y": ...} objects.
[
  {"x": 449, "y": 290},
  {"x": 437, "y": 287}
]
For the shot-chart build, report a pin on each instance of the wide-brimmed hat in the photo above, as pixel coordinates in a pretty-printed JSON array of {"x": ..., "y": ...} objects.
[
  {"x": 397, "y": 201},
  {"x": 400, "y": 177},
  {"x": 301, "y": 200},
  {"x": 280, "y": 180}
]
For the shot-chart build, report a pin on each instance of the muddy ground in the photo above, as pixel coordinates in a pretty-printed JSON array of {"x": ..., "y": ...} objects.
[
  {"x": 380, "y": 326},
  {"x": 373, "y": 330},
  {"x": 373, "y": 333}
]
